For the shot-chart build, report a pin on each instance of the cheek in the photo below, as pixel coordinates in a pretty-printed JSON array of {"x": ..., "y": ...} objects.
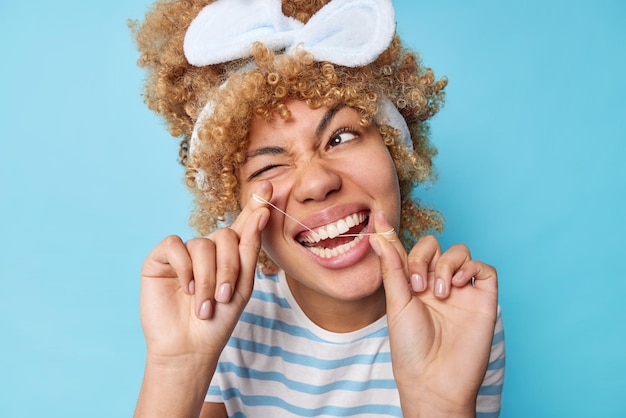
[
  {"x": 379, "y": 175},
  {"x": 272, "y": 235},
  {"x": 381, "y": 181},
  {"x": 270, "y": 241}
]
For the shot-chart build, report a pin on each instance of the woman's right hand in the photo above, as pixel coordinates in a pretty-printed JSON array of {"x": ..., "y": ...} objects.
[{"x": 193, "y": 293}]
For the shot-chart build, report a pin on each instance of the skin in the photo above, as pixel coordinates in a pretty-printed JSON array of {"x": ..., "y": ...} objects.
[
  {"x": 309, "y": 161},
  {"x": 440, "y": 328}
]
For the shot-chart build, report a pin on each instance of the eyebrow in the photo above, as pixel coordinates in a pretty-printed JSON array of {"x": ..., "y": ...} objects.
[
  {"x": 271, "y": 150},
  {"x": 328, "y": 116},
  {"x": 323, "y": 124}
]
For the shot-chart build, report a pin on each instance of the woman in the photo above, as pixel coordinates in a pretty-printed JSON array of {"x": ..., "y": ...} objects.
[{"x": 304, "y": 133}]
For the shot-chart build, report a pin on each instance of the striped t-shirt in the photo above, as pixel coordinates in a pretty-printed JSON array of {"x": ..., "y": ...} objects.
[{"x": 279, "y": 364}]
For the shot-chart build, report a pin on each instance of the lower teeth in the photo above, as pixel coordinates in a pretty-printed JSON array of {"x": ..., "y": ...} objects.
[{"x": 334, "y": 252}]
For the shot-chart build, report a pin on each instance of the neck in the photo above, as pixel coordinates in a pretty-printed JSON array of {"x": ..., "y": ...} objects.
[{"x": 339, "y": 316}]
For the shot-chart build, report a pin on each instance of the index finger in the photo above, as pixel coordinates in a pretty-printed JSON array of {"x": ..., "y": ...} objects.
[
  {"x": 263, "y": 193},
  {"x": 422, "y": 260}
]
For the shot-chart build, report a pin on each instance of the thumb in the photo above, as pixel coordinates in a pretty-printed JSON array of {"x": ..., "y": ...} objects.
[
  {"x": 250, "y": 245},
  {"x": 250, "y": 204},
  {"x": 392, "y": 265}
]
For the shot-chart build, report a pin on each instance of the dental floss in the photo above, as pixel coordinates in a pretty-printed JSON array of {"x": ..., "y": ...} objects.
[{"x": 261, "y": 200}]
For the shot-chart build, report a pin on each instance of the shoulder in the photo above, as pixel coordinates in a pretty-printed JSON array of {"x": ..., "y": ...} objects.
[{"x": 213, "y": 410}]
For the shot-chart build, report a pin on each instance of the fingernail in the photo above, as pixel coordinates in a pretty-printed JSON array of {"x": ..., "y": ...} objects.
[
  {"x": 224, "y": 293},
  {"x": 258, "y": 198},
  {"x": 375, "y": 245},
  {"x": 205, "y": 310},
  {"x": 457, "y": 276},
  {"x": 440, "y": 287},
  {"x": 417, "y": 283},
  {"x": 192, "y": 287}
]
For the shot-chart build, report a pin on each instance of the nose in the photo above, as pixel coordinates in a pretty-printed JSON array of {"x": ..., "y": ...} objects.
[{"x": 315, "y": 181}]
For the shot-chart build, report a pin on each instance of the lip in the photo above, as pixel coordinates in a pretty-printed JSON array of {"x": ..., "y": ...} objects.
[
  {"x": 359, "y": 248},
  {"x": 351, "y": 224},
  {"x": 328, "y": 216}
]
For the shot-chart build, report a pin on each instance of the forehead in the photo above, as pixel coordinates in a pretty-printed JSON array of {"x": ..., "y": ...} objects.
[
  {"x": 300, "y": 122},
  {"x": 301, "y": 118}
]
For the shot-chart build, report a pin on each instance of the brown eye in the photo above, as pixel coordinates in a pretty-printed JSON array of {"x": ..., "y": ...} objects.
[{"x": 341, "y": 137}]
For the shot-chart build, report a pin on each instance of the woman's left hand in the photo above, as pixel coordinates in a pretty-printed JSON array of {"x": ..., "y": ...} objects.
[{"x": 440, "y": 326}]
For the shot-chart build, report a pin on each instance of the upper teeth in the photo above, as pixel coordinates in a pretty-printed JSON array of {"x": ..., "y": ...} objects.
[{"x": 335, "y": 229}]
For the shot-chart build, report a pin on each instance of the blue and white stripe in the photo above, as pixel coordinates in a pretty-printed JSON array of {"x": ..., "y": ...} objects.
[{"x": 299, "y": 369}]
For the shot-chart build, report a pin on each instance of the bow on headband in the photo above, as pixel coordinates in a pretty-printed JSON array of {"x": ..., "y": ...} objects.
[
  {"x": 345, "y": 32},
  {"x": 352, "y": 33}
]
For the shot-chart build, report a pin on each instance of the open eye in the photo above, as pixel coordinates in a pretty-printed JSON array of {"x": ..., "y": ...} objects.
[{"x": 341, "y": 137}]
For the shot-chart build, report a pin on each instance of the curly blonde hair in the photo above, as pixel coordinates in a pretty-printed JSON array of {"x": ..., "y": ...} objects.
[{"x": 178, "y": 91}]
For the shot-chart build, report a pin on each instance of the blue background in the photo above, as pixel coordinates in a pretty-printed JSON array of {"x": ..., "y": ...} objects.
[{"x": 532, "y": 141}]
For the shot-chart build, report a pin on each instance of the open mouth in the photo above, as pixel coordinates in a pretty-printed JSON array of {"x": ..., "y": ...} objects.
[{"x": 335, "y": 238}]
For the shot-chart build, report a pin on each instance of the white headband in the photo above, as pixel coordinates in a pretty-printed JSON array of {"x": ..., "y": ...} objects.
[{"x": 351, "y": 33}]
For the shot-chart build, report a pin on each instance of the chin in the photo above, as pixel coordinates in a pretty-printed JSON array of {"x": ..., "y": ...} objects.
[{"x": 353, "y": 282}]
